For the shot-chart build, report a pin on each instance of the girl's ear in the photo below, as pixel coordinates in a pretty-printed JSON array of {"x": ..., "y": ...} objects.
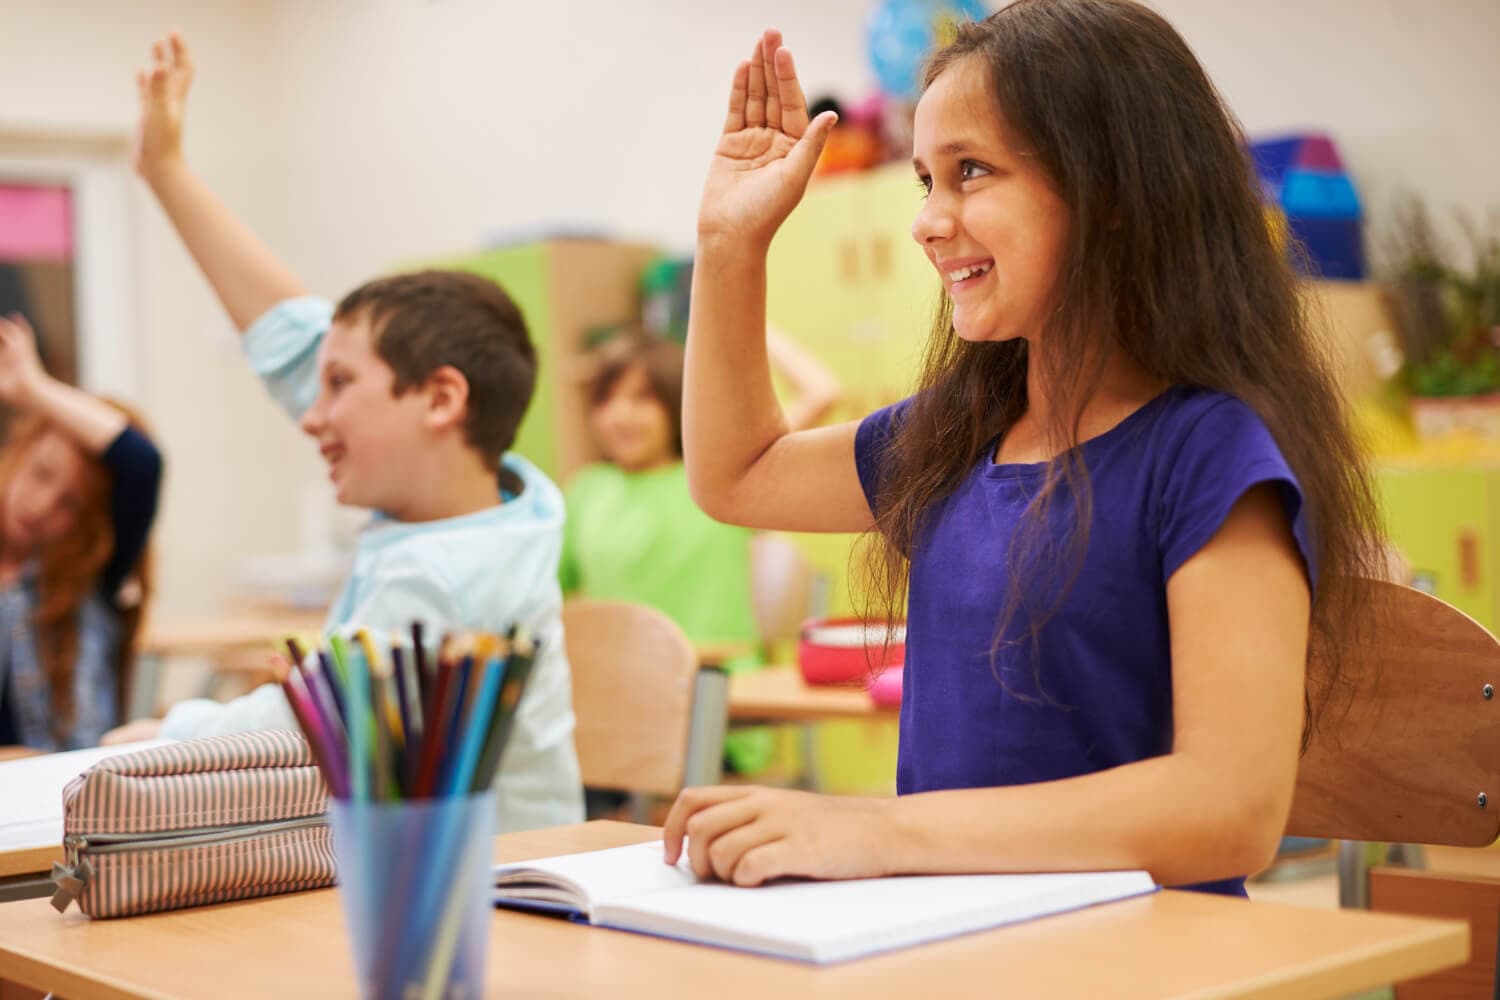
[{"x": 447, "y": 392}]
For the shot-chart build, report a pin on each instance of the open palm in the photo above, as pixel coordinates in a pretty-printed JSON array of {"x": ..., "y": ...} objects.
[
  {"x": 767, "y": 151},
  {"x": 163, "y": 89}
]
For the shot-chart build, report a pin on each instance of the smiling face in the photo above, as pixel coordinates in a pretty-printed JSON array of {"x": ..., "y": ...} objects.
[
  {"x": 631, "y": 424},
  {"x": 45, "y": 494},
  {"x": 992, "y": 224},
  {"x": 365, "y": 432}
]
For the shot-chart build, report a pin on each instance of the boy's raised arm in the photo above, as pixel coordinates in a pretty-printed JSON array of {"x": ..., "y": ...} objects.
[{"x": 244, "y": 273}]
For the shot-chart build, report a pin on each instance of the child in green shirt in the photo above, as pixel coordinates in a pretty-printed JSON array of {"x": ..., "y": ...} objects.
[{"x": 633, "y": 532}]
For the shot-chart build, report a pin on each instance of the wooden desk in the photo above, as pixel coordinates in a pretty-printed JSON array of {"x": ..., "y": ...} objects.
[
  {"x": 1170, "y": 944},
  {"x": 234, "y": 633},
  {"x": 779, "y": 694}
]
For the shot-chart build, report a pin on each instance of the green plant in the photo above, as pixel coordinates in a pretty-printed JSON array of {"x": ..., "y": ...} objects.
[{"x": 1448, "y": 314}]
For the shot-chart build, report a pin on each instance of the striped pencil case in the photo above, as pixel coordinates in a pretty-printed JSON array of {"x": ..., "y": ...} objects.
[{"x": 203, "y": 821}]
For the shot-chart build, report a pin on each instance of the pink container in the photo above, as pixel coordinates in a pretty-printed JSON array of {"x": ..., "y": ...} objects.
[
  {"x": 885, "y": 689},
  {"x": 847, "y": 650}
]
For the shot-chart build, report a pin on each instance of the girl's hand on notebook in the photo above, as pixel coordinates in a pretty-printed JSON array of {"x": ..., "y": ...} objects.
[
  {"x": 747, "y": 835},
  {"x": 767, "y": 152}
]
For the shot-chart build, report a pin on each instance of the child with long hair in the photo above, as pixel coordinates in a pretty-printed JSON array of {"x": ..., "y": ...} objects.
[
  {"x": 1122, "y": 502},
  {"x": 79, "y": 481}
]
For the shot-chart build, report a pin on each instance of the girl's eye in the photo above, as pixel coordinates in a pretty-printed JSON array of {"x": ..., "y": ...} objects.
[
  {"x": 969, "y": 170},
  {"x": 925, "y": 183}
]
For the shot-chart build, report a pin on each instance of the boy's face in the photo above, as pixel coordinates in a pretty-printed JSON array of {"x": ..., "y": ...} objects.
[{"x": 365, "y": 433}]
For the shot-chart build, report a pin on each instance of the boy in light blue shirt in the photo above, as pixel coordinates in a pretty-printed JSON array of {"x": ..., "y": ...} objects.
[{"x": 411, "y": 386}]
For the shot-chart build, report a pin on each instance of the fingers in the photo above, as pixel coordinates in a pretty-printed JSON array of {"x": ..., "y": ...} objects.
[
  {"x": 755, "y": 98},
  {"x": 731, "y": 854},
  {"x": 737, "y": 94},
  {"x": 691, "y": 801},
  {"x": 21, "y": 323},
  {"x": 708, "y": 826},
  {"x": 182, "y": 58},
  {"x": 793, "y": 103},
  {"x": 761, "y": 863},
  {"x": 770, "y": 44},
  {"x": 804, "y": 155}
]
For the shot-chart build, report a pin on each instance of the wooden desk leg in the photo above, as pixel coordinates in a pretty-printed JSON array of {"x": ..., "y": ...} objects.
[{"x": 706, "y": 728}]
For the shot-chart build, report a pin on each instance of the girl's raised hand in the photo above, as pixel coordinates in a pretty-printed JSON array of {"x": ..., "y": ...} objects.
[
  {"x": 163, "y": 88},
  {"x": 20, "y": 365},
  {"x": 767, "y": 152}
]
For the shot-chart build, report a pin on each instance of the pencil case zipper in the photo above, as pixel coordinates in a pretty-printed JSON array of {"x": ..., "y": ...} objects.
[{"x": 72, "y": 878}]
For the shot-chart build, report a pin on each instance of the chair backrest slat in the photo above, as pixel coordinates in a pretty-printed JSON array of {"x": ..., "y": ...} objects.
[
  {"x": 1417, "y": 748},
  {"x": 633, "y": 676}
]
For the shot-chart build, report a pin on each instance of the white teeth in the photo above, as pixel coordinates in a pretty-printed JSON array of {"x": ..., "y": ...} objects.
[{"x": 968, "y": 272}]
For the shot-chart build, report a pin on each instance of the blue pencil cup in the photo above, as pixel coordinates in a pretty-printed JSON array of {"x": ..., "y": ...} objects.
[{"x": 414, "y": 879}]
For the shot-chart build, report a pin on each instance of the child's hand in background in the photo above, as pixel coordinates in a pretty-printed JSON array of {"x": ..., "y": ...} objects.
[
  {"x": 767, "y": 152},
  {"x": 20, "y": 366},
  {"x": 163, "y": 88},
  {"x": 747, "y": 835},
  {"x": 132, "y": 732}
]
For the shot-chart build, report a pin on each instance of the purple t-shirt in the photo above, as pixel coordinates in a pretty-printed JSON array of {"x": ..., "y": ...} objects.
[{"x": 1095, "y": 690}]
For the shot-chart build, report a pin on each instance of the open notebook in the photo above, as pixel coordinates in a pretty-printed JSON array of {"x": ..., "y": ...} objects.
[
  {"x": 631, "y": 889},
  {"x": 31, "y": 793}
]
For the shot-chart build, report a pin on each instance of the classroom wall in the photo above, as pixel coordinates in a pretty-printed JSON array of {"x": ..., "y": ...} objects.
[
  {"x": 70, "y": 72},
  {"x": 358, "y": 135}
]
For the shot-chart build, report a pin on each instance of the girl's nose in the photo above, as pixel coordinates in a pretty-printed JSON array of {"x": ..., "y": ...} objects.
[{"x": 934, "y": 222}]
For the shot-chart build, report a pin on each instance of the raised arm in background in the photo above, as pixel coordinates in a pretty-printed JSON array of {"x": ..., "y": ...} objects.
[{"x": 247, "y": 277}]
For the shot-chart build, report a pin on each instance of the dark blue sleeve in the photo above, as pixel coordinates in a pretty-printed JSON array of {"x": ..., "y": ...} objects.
[
  {"x": 870, "y": 444},
  {"x": 1222, "y": 455},
  {"x": 135, "y": 467}
]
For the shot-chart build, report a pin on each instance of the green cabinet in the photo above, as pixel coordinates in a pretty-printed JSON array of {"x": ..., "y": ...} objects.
[
  {"x": 1443, "y": 520},
  {"x": 565, "y": 289},
  {"x": 845, "y": 279}
]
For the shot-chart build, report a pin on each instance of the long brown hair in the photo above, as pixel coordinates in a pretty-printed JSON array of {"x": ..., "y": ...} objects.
[
  {"x": 1168, "y": 262},
  {"x": 68, "y": 573}
]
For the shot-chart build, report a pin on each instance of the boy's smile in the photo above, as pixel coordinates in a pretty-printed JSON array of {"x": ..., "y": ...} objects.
[{"x": 365, "y": 432}]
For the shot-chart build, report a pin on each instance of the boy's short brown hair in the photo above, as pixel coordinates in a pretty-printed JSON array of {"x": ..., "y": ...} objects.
[{"x": 422, "y": 321}]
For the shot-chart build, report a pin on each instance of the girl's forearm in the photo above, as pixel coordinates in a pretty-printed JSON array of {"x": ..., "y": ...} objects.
[
  {"x": 88, "y": 420},
  {"x": 1170, "y": 815}
]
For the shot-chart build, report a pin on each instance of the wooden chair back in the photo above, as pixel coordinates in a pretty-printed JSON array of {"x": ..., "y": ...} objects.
[
  {"x": 1416, "y": 757},
  {"x": 634, "y": 674}
]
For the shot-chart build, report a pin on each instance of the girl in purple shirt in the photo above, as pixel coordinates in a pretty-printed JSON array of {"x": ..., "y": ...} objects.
[{"x": 1121, "y": 503}]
